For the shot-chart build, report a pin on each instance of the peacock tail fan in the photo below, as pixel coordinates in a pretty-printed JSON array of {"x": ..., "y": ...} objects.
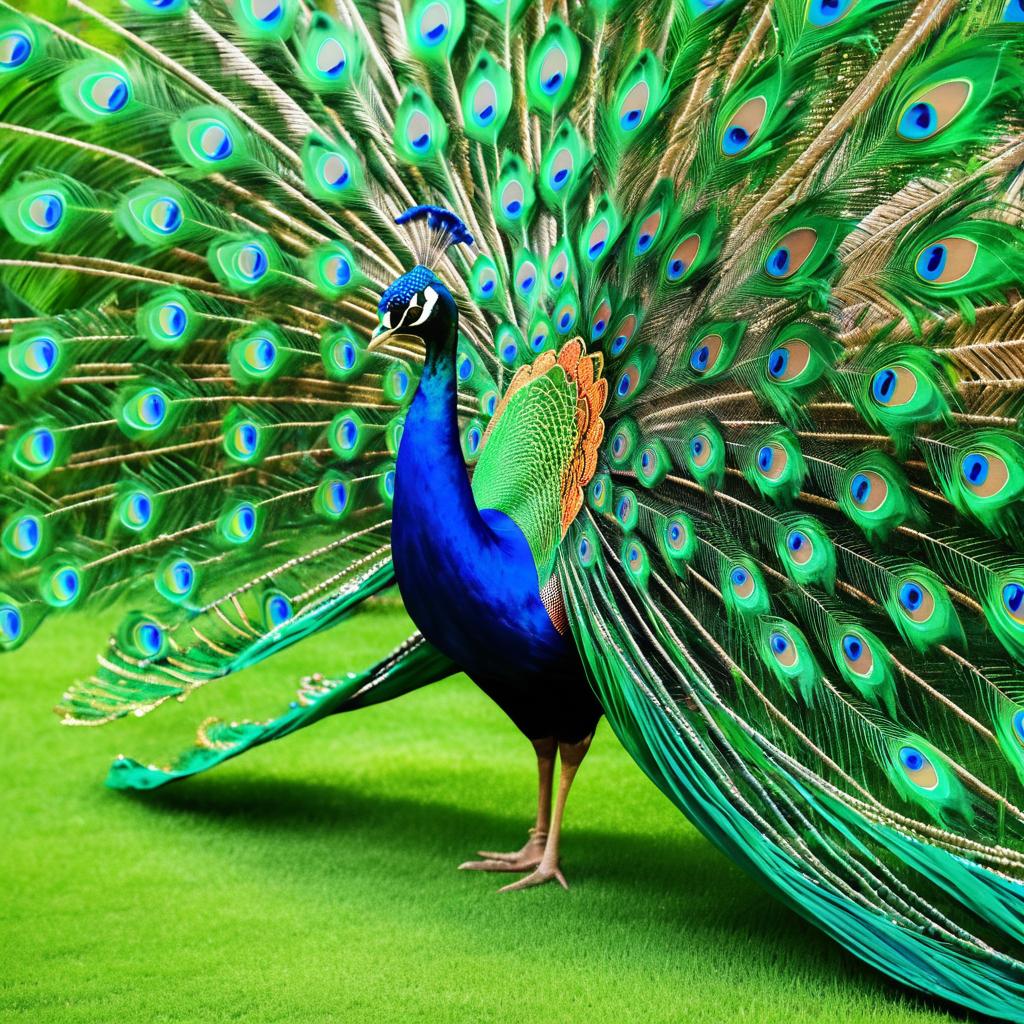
[{"x": 789, "y": 237}]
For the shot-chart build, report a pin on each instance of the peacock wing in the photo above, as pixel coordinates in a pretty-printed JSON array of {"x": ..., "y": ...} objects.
[{"x": 540, "y": 448}]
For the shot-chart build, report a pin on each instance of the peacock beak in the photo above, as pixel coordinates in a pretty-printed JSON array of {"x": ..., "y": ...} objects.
[{"x": 380, "y": 337}]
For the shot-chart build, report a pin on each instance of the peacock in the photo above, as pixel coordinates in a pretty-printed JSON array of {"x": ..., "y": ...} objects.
[{"x": 668, "y": 356}]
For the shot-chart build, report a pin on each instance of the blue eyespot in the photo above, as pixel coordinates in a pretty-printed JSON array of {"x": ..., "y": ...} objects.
[
  {"x": 40, "y": 356},
  {"x": 46, "y": 211},
  {"x": 565, "y": 320},
  {"x": 248, "y": 437},
  {"x": 699, "y": 359},
  {"x": 1013, "y": 598},
  {"x": 860, "y": 488},
  {"x": 173, "y": 320},
  {"x": 676, "y": 268},
  {"x": 624, "y": 385},
  {"x": 330, "y": 58},
  {"x": 551, "y": 84},
  {"x": 149, "y": 637},
  {"x": 252, "y": 261},
  {"x": 883, "y": 385},
  {"x": 246, "y": 519},
  {"x": 932, "y": 262},
  {"x": 696, "y": 447},
  {"x": 735, "y": 140},
  {"x": 779, "y": 643},
  {"x": 823, "y": 13},
  {"x": 11, "y": 624},
  {"x": 796, "y": 540},
  {"x": 15, "y": 49},
  {"x": 630, "y": 119},
  {"x": 336, "y": 496},
  {"x": 526, "y": 284},
  {"x": 919, "y": 121},
  {"x": 164, "y": 215},
  {"x": 853, "y": 646},
  {"x": 215, "y": 142},
  {"x": 912, "y": 759},
  {"x": 1018, "y": 721},
  {"x": 765, "y": 458},
  {"x": 465, "y": 368},
  {"x": 1014, "y": 11},
  {"x": 598, "y": 329},
  {"x": 182, "y": 576},
  {"x": 739, "y": 576},
  {"x": 596, "y": 249},
  {"x": 620, "y": 342},
  {"x": 279, "y": 609},
  {"x": 487, "y": 286},
  {"x": 778, "y": 262},
  {"x": 558, "y": 178},
  {"x": 778, "y": 362},
  {"x": 975, "y": 468},
  {"x": 643, "y": 243},
  {"x": 137, "y": 510},
  {"x": 153, "y": 408},
  {"x": 25, "y": 536},
  {"x": 66, "y": 584},
  {"x": 911, "y": 596},
  {"x": 109, "y": 92}
]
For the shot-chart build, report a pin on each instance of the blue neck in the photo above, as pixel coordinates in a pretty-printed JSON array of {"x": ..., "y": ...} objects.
[{"x": 431, "y": 480}]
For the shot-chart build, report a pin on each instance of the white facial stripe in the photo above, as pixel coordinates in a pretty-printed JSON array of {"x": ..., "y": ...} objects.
[{"x": 429, "y": 301}]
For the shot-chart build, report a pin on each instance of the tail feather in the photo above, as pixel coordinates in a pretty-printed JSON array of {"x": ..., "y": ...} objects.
[{"x": 412, "y": 665}]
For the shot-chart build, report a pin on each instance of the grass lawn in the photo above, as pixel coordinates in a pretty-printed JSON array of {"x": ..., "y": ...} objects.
[{"x": 314, "y": 879}]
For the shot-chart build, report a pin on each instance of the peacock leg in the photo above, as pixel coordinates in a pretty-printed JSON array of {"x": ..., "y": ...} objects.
[
  {"x": 530, "y": 855},
  {"x": 547, "y": 870}
]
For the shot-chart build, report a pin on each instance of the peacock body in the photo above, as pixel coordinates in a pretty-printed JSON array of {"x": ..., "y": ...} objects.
[{"x": 670, "y": 357}]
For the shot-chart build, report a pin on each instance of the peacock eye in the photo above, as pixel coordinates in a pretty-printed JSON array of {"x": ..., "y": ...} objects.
[{"x": 420, "y": 308}]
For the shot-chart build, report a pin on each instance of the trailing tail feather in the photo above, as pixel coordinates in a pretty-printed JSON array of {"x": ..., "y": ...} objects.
[{"x": 412, "y": 665}]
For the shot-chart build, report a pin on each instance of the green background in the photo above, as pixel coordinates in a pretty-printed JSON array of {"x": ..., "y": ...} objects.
[{"x": 315, "y": 879}]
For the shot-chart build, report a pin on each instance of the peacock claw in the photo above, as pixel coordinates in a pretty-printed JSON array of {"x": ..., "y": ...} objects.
[
  {"x": 520, "y": 860},
  {"x": 493, "y": 864},
  {"x": 539, "y": 876}
]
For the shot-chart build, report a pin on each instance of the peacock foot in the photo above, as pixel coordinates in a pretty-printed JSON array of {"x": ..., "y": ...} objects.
[
  {"x": 520, "y": 860},
  {"x": 541, "y": 875}
]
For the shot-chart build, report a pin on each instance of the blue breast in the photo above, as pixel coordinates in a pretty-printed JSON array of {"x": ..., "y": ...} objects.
[{"x": 468, "y": 579}]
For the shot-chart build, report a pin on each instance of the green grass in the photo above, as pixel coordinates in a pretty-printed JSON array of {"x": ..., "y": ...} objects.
[{"x": 314, "y": 880}]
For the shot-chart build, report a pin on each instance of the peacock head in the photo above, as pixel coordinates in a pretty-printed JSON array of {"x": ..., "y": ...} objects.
[{"x": 419, "y": 306}]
